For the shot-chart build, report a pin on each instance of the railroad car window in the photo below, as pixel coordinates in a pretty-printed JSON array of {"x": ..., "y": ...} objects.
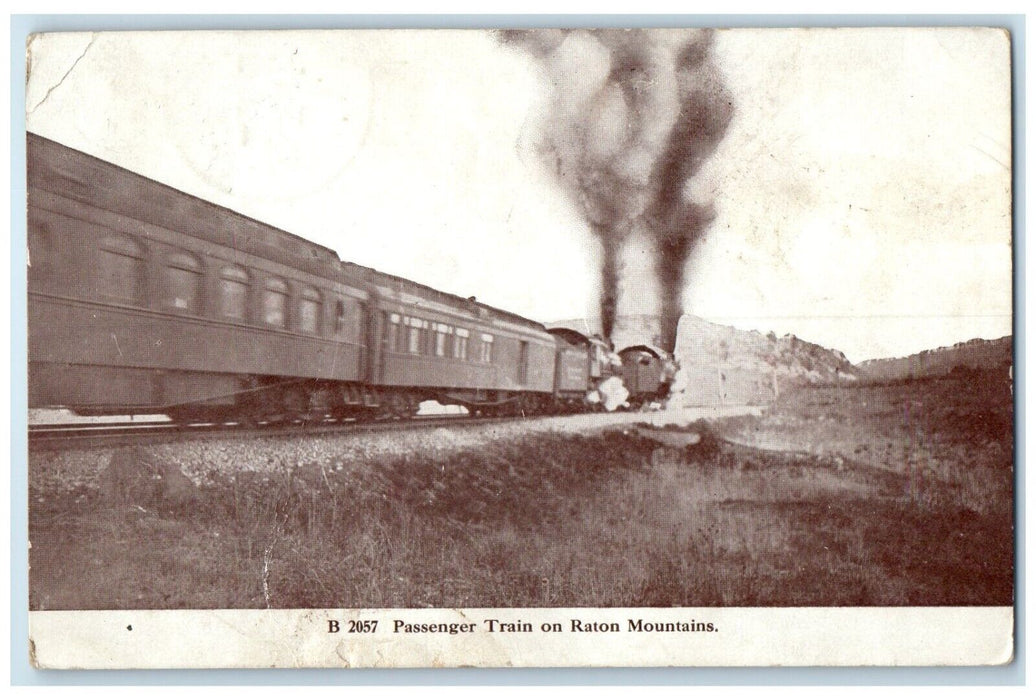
[
  {"x": 121, "y": 268},
  {"x": 396, "y": 341},
  {"x": 460, "y": 344},
  {"x": 486, "y": 349},
  {"x": 339, "y": 317},
  {"x": 361, "y": 322},
  {"x": 309, "y": 310},
  {"x": 183, "y": 282},
  {"x": 275, "y": 302},
  {"x": 442, "y": 337},
  {"x": 389, "y": 331},
  {"x": 413, "y": 343},
  {"x": 427, "y": 338},
  {"x": 233, "y": 292},
  {"x": 350, "y": 317},
  {"x": 43, "y": 246}
]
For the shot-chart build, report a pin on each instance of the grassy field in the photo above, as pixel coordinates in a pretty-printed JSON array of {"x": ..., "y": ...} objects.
[{"x": 875, "y": 495}]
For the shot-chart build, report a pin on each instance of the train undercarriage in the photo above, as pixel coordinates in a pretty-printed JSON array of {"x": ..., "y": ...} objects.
[{"x": 193, "y": 397}]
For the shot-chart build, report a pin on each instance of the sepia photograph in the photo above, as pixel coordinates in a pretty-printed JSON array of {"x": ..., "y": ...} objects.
[{"x": 520, "y": 347}]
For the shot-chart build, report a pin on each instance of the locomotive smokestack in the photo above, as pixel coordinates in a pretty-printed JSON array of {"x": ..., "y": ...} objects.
[
  {"x": 633, "y": 115},
  {"x": 609, "y": 296}
]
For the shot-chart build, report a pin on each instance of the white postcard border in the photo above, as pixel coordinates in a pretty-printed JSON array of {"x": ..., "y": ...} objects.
[{"x": 534, "y": 637}]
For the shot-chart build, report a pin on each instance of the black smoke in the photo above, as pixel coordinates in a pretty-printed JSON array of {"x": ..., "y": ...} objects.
[{"x": 634, "y": 114}]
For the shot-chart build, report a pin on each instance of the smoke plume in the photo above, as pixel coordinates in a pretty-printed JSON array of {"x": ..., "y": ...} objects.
[{"x": 633, "y": 116}]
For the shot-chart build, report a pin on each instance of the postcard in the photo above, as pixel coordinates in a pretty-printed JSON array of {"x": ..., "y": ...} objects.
[{"x": 520, "y": 347}]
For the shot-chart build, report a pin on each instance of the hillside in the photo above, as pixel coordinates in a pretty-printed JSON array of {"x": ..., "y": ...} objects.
[
  {"x": 722, "y": 364},
  {"x": 973, "y": 354}
]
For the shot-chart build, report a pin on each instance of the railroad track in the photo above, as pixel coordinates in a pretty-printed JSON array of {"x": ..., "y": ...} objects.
[{"x": 78, "y": 435}]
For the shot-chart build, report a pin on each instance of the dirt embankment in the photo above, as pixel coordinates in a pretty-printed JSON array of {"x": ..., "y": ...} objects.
[
  {"x": 52, "y": 472},
  {"x": 619, "y": 515}
]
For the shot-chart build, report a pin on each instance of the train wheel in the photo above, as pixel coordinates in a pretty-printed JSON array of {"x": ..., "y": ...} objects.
[
  {"x": 399, "y": 406},
  {"x": 527, "y": 405},
  {"x": 295, "y": 403},
  {"x": 367, "y": 413}
]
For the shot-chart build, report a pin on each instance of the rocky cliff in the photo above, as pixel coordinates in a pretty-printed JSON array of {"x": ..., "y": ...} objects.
[
  {"x": 722, "y": 364},
  {"x": 973, "y": 354}
]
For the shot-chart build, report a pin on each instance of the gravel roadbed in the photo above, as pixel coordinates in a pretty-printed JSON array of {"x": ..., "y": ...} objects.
[{"x": 52, "y": 470}]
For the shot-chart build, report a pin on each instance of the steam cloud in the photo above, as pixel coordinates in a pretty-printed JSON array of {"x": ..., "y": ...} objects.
[{"x": 634, "y": 114}]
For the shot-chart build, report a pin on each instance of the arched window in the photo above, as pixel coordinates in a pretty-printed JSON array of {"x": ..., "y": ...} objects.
[
  {"x": 309, "y": 310},
  {"x": 351, "y": 317},
  {"x": 275, "y": 302},
  {"x": 120, "y": 269},
  {"x": 43, "y": 245},
  {"x": 233, "y": 292},
  {"x": 183, "y": 282}
]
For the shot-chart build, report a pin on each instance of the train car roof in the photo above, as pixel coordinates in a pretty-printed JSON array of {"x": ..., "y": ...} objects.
[
  {"x": 570, "y": 336},
  {"x": 60, "y": 169},
  {"x": 467, "y": 304},
  {"x": 649, "y": 349},
  {"x": 63, "y": 170}
]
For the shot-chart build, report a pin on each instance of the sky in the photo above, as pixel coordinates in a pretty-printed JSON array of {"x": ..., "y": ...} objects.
[{"x": 861, "y": 189}]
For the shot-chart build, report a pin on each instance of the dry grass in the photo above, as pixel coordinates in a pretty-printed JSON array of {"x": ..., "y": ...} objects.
[{"x": 556, "y": 520}]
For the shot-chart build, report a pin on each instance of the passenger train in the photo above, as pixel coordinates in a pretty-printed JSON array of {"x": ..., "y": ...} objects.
[{"x": 146, "y": 300}]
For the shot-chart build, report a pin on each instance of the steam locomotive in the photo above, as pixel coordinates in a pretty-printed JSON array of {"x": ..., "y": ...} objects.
[{"x": 145, "y": 300}]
